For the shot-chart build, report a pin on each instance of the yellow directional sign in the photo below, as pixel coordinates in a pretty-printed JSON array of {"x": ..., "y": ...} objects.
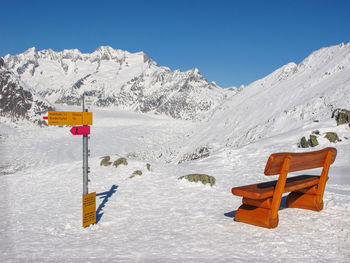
[
  {"x": 69, "y": 118},
  {"x": 89, "y": 209}
]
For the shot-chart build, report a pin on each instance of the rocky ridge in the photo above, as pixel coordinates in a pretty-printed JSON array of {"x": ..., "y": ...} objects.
[
  {"x": 17, "y": 101},
  {"x": 116, "y": 78}
]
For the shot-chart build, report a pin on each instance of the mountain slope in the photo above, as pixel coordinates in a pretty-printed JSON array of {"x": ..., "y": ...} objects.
[
  {"x": 289, "y": 98},
  {"x": 116, "y": 78},
  {"x": 17, "y": 101}
]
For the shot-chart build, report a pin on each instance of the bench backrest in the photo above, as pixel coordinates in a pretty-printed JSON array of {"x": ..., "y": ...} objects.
[{"x": 299, "y": 161}]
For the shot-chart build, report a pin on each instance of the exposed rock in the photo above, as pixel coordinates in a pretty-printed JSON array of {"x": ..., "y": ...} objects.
[
  {"x": 120, "y": 161},
  {"x": 332, "y": 137},
  {"x": 137, "y": 172},
  {"x": 18, "y": 101},
  {"x": 106, "y": 161},
  {"x": 304, "y": 143},
  {"x": 204, "y": 178},
  {"x": 342, "y": 116},
  {"x": 313, "y": 141},
  {"x": 198, "y": 154}
]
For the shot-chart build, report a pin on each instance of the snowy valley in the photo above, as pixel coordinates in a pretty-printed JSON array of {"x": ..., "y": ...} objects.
[{"x": 167, "y": 124}]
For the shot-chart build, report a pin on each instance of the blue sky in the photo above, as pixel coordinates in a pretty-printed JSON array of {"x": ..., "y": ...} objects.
[{"x": 230, "y": 42}]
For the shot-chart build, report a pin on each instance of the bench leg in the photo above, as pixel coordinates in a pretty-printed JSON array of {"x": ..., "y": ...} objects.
[
  {"x": 304, "y": 201},
  {"x": 256, "y": 216}
]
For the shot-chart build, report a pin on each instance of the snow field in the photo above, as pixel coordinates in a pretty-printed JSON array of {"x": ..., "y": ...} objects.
[{"x": 156, "y": 217}]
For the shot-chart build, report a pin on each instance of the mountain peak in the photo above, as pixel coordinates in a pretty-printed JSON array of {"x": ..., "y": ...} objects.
[
  {"x": 105, "y": 49},
  {"x": 117, "y": 78},
  {"x": 31, "y": 50},
  {"x": 109, "y": 53}
]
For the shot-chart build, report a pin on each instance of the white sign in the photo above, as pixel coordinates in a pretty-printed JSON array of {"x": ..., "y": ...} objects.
[{"x": 88, "y": 102}]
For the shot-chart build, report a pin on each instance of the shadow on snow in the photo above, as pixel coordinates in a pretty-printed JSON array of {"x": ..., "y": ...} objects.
[
  {"x": 283, "y": 205},
  {"x": 104, "y": 196}
]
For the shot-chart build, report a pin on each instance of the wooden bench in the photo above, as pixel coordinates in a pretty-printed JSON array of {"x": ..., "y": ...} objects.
[{"x": 261, "y": 202}]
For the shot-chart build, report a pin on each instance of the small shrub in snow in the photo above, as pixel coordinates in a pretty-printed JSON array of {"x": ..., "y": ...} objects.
[
  {"x": 204, "y": 178},
  {"x": 120, "y": 161},
  {"x": 148, "y": 166},
  {"x": 106, "y": 161}
]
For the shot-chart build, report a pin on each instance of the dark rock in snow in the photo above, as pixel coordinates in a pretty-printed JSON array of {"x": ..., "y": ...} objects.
[
  {"x": 198, "y": 154},
  {"x": 313, "y": 141},
  {"x": 204, "y": 178},
  {"x": 332, "y": 137},
  {"x": 106, "y": 161},
  {"x": 342, "y": 116},
  {"x": 120, "y": 161},
  {"x": 304, "y": 143}
]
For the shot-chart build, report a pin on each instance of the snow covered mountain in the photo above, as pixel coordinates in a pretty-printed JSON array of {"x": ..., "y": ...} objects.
[
  {"x": 17, "y": 100},
  {"x": 290, "y": 98},
  {"x": 118, "y": 79},
  {"x": 133, "y": 81}
]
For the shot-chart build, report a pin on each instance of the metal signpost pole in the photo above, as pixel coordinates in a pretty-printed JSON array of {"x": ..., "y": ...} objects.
[
  {"x": 85, "y": 157},
  {"x": 85, "y": 119}
]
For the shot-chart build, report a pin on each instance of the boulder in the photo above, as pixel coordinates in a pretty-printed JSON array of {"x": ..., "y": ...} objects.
[
  {"x": 304, "y": 143},
  {"x": 106, "y": 161},
  {"x": 342, "y": 116},
  {"x": 197, "y": 154},
  {"x": 137, "y": 172},
  {"x": 120, "y": 161},
  {"x": 332, "y": 137},
  {"x": 204, "y": 178},
  {"x": 313, "y": 141}
]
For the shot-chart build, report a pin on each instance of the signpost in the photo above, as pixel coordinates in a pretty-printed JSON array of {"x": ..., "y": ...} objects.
[
  {"x": 90, "y": 216},
  {"x": 69, "y": 118},
  {"x": 80, "y": 118},
  {"x": 80, "y": 130},
  {"x": 88, "y": 102},
  {"x": 89, "y": 209}
]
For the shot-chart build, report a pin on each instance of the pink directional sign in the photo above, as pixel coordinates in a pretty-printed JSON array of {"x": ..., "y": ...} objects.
[{"x": 80, "y": 130}]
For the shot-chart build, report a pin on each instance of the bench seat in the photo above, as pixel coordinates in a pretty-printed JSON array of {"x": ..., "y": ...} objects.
[
  {"x": 261, "y": 202},
  {"x": 266, "y": 189}
]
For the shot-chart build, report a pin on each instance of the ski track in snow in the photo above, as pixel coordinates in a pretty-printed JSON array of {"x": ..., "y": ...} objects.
[{"x": 154, "y": 217}]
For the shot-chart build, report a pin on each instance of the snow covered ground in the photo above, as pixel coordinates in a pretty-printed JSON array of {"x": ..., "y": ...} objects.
[{"x": 156, "y": 217}]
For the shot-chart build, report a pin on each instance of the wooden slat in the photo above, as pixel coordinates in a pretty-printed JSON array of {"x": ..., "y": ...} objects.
[
  {"x": 265, "y": 190},
  {"x": 298, "y": 161},
  {"x": 309, "y": 190},
  {"x": 263, "y": 203}
]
